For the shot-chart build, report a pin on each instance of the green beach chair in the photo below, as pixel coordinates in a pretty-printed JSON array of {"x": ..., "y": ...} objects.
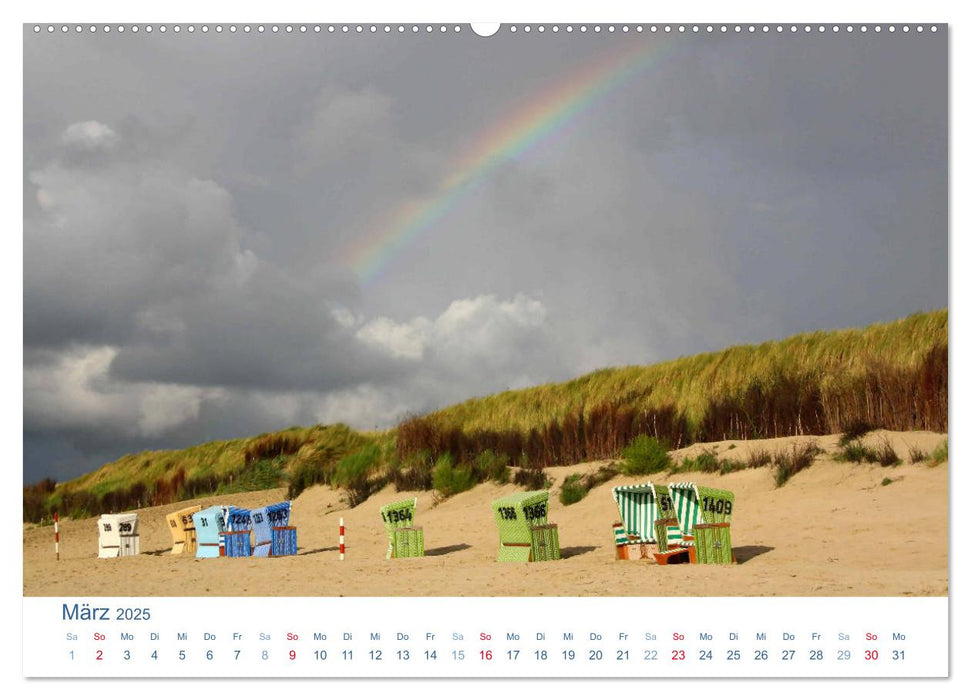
[
  {"x": 524, "y": 534},
  {"x": 640, "y": 506},
  {"x": 398, "y": 515},
  {"x": 695, "y": 505}
]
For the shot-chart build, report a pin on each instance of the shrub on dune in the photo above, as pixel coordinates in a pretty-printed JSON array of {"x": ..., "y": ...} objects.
[{"x": 645, "y": 455}]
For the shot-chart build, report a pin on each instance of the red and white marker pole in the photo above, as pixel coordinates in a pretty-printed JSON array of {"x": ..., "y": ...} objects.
[
  {"x": 342, "y": 539},
  {"x": 57, "y": 539}
]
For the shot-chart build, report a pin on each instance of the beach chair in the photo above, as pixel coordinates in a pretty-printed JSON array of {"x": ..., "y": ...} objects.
[
  {"x": 641, "y": 506},
  {"x": 698, "y": 509},
  {"x": 524, "y": 534},
  {"x": 396, "y": 516},
  {"x": 118, "y": 535},
  {"x": 695, "y": 504},
  {"x": 209, "y": 523},
  {"x": 263, "y": 521},
  {"x": 183, "y": 530},
  {"x": 235, "y": 539}
]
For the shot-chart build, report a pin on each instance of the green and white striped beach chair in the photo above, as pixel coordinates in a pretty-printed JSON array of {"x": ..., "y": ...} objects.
[
  {"x": 640, "y": 505},
  {"x": 695, "y": 504},
  {"x": 524, "y": 534},
  {"x": 400, "y": 514}
]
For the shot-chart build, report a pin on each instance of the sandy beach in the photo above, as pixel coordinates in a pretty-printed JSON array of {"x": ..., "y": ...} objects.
[{"x": 832, "y": 530}]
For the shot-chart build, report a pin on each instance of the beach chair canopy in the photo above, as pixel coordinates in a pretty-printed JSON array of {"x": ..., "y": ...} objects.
[
  {"x": 263, "y": 520},
  {"x": 237, "y": 519},
  {"x": 111, "y": 528},
  {"x": 209, "y": 523},
  {"x": 397, "y": 515},
  {"x": 695, "y": 504},
  {"x": 179, "y": 522},
  {"x": 640, "y": 505}
]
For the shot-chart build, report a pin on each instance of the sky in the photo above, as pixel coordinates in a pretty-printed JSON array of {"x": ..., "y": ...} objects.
[{"x": 223, "y": 233}]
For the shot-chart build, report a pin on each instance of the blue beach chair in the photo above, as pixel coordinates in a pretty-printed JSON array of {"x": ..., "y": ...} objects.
[
  {"x": 263, "y": 521},
  {"x": 235, "y": 541}
]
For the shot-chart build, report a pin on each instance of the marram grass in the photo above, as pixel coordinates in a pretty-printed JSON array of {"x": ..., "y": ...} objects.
[{"x": 891, "y": 375}]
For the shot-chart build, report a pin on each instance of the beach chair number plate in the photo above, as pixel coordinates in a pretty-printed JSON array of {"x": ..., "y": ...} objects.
[
  {"x": 398, "y": 516},
  {"x": 719, "y": 505},
  {"x": 535, "y": 512}
]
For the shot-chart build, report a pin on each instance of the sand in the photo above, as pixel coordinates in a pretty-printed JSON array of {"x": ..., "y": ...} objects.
[{"x": 832, "y": 530}]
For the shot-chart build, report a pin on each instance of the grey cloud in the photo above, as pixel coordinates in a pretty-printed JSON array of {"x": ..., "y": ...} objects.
[{"x": 189, "y": 202}]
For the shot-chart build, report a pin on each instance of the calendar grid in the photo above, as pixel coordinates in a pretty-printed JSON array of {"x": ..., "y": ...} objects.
[{"x": 486, "y": 637}]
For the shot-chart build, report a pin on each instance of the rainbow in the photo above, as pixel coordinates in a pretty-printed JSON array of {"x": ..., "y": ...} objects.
[{"x": 510, "y": 138}]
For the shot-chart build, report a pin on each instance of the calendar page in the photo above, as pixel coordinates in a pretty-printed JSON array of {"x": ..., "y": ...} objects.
[{"x": 532, "y": 349}]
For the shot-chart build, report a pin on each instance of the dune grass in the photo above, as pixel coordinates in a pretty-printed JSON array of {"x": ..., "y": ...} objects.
[
  {"x": 939, "y": 454},
  {"x": 295, "y": 457},
  {"x": 892, "y": 375},
  {"x": 692, "y": 383}
]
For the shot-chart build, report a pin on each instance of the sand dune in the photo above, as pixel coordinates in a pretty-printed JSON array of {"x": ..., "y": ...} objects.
[{"x": 832, "y": 530}]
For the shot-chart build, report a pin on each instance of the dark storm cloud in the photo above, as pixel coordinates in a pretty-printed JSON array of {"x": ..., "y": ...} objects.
[{"x": 189, "y": 201}]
